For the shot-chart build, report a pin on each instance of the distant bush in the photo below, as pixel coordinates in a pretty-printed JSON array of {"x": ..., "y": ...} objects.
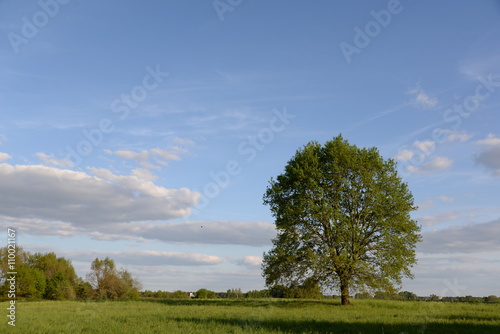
[
  {"x": 383, "y": 295},
  {"x": 205, "y": 294},
  {"x": 407, "y": 295},
  {"x": 492, "y": 299}
]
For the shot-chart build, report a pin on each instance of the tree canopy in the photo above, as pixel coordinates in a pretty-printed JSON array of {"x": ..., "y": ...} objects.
[
  {"x": 343, "y": 219},
  {"x": 47, "y": 276}
]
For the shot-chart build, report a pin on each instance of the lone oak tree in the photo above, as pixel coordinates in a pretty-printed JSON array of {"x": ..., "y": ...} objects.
[{"x": 343, "y": 219}]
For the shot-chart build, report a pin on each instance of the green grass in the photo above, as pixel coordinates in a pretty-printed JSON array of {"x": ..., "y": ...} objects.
[{"x": 252, "y": 316}]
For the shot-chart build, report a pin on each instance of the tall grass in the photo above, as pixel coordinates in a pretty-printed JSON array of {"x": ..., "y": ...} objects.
[{"x": 253, "y": 316}]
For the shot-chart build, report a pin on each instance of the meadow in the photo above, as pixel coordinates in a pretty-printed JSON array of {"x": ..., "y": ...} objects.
[{"x": 252, "y": 316}]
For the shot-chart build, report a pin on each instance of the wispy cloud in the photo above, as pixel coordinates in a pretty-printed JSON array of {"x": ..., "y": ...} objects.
[
  {"x": 421, "y": 99},
  {"x": 150, "y": 159},
  {"x": 447, "y": 199},
  {"x": 456, "y": 136},
  {"x": 51, "y": 160},
  {"x": 437, "y": 164},
  {"x": 437, "y": 219}
]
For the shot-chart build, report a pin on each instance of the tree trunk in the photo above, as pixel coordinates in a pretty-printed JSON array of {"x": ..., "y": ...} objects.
[{"x": 344, "y": 292}]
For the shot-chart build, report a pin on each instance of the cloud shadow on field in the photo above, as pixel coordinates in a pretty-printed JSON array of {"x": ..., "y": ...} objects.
[
  {"x": 342, "y": 327},
  {"x": 259, "y": 318}
]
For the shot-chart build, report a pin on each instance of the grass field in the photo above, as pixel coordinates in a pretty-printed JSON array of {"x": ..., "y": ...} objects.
[{"x": 252, "y": 316}]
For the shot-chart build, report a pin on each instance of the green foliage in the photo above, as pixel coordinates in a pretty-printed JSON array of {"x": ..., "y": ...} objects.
[
  {"x": 279, "y": 291},
  {"x": 407, "y": 295},
  {"x": 384, "y": 295},
  {"x": 234, "y": 293},
  {"x": 343, "y": 219},
  {"x": 492, "y": 299},
  {"x": 258, "y": 294},
  {"x": 205, "y": 294},
  {"x": 31, "y": 282},
  {"x": 83, "y": 290},
  {"x": 42, "y": 275},
  {"x": 179, "y": 295},
  {"x": 109, "y": 283},
  {"x": 363, "y": 295}
]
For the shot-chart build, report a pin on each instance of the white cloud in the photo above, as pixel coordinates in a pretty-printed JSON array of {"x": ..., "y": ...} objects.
[
  {"x": 471, "y": 238},
  {"x": 437, "y": 219},
  {"x": 404, "y": 155},
  {"x": 456, "y": 136},
  {"x": 438, "y": 164},
  {"x": 35, "y": 191},
  {"x": 255, "y": 234},
  {"x": 427, "y": 147},
  {"x": 51, "y": 160},
  {"x": 212, "y": 232},
  {"x": 491, "y": 140},
  {"x": 144, "y": 157},
  {"x": 150, "y": 258},
  {"x": 249, "y": 261},
  {"x": 447, "y": 199},
  {"x": 4, "y": 157},
  {"x": 489, "y": 156},
  {"x": 421, "y": 99}
]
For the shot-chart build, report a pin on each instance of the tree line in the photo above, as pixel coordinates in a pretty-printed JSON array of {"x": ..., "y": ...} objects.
[
  {"x": 47, "y": 276},
  {"x": 308, "y": 290}
]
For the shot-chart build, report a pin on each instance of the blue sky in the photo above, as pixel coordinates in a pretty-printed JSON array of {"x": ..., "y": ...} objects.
[{"x": 148, "y": 131}]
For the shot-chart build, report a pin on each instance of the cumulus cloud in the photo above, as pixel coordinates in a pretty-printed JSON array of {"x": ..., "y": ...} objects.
[
  {"x": 471, "y": 238},
  {"x": 35, "y": 191},
  {"x": 490, "y": 140},
  {"x": 426, "y": 148},
  {"x": 438, "y": 164},
  {"x": 51, "y": 160},
  {"x": 489, "y": 157},
  {"x": 4, "y": 157},
  {"x": 421, "y": 99},
  {"x": 250, "y": 261}
]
